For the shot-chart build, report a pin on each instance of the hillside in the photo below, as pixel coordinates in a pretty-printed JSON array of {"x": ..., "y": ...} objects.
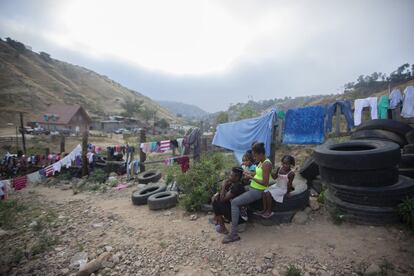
[
  {"x": 187, "y": 111},
  {"x": 30, "y": 81}
]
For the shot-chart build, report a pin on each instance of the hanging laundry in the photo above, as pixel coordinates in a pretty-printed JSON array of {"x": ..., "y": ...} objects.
[
  {"x": 239, "y": 136},
  {"x": 4, "y": 189},
  {"x": 34, "y": 178},
  {"x": 395, "y": 98},
  {"x": 164, "y": 145},
  {"x": 383, "y": 107},
  {"x": 408, "y": 103},
  {"x": 49, "y": 171},
  {"x": 304, "y": 125},
  {"x": 345, "y": 109},
  {"x": 281, "y": 114},
  {"x": 19, "y": 183},
  {"x": 184, "y": 162},
  {"x": 360, "y": 104},
  {"x": 56, "y": 167}
]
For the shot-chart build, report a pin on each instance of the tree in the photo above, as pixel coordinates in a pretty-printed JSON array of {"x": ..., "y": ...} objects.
[
  {"x": 222, "y": 117},
  {"x": 247, "y": 112},
  {"x": 162, "y": 123},
  {"x": 147, "y": 113},
  {"x": 132, "y": 107}
]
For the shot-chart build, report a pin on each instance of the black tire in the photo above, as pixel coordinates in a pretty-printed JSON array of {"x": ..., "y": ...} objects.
[
  {"x": 310, "y": 169},
  {"x": 298, "y": 199},
  {"x": 386, "y": 124},
  {"x": 163, "y": 200},
  {"x": 409, "y": 148},
  {"x": 149, "y": 176},
  {"x": 406, "y": 172},
  {"x": 379, "y": 134},
  {"x": 410, "y": 137},
  {"x": 276, "y": 219},
  {"x": 140, "y": 197},
  {"x": 407, "y": 161},
  {"x": 367, "y": 178},
  {"x": 388, "y": 196},
  {"x": 316, "y": 184},
  {"x": 358, "y": 155},
  {"x": 360, "y": 214}
]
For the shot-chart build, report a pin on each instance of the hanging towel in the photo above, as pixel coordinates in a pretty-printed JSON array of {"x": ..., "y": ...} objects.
[
  {"x": 304, "y": 125},
  {"x": 34, "y": 178},
  {"x": 360, "y": 104},
  {"x": 19, "y": 182},
  {"x": 239, "y": 136},
  {"x": 408, "y": 103},
  {"x": 395, "y": 98},
  {"x": 164, "y": 146},
  {"x": 383, "y": 107},
  {"x": 49, "y": 171}
]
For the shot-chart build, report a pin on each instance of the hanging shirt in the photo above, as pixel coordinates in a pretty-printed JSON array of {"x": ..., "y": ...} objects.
[
  {"x": 383, "y": 107},
  {"x": 360, "y": 104},
  {"x": 164, "y": 145},
  {"x": 408, "y": 103},
  {"x": 395, "y": 98}
]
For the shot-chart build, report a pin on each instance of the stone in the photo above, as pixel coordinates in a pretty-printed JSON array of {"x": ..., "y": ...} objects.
[
  {"x": 97, "y": 225},
  {"x": 64, "y": 271},
  {"x": 3, "y": 232},
  {"x": 308, "y": 210},
  {"x": 323, "y": 273},
  {"x": 300, "y": 218},
  {"x": 314, "y": 204},
  {"x": 115, "y": 259},
  {"x": 108, "y": 248},
  {"x": 168, "y": 213},
  {"x": 269, "y": 255},
  {"x": 33, "y": 224},
  {"x": 373, "y": 269},
  {"x": 193, "y": 217},
  {"x": 79, "y": 259}
]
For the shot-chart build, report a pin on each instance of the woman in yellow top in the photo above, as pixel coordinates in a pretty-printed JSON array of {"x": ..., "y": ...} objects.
[{"x": 259, "y": 181}]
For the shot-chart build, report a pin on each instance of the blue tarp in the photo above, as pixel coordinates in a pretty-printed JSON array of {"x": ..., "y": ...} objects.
[
  {"x": 239, "y": 136},
  {"x": 304, "y": 125}
]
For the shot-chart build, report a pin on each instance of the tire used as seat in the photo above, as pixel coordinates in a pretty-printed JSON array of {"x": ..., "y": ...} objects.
[
  {"x": 140, "y": 197},
  {"x": 149, "y": 176},
  {"x": 358, "y": 155},
  {"x": 163, "y": 200}
]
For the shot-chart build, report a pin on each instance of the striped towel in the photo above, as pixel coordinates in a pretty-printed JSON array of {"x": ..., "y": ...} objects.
[
  {"x": 49, "y": 170},
  {"x": 19, "y": 182},
  {"x": 164, "y": 145}
]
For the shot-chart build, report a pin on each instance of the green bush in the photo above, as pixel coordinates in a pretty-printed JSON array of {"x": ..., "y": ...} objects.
[
  {"x": 293, "y": 271},
  {"x": 404, "y": 210},
  {"x": 97, "y": 176},
  {"x": 200, "y": 182},
  {"x": 321, "y": 197}
]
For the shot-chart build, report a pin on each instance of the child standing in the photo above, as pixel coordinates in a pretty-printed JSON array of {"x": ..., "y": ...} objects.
[{"x": 284, "y": 177}]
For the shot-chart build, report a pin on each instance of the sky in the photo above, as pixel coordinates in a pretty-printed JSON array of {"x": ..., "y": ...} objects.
[{"x": 214, "y": 53}]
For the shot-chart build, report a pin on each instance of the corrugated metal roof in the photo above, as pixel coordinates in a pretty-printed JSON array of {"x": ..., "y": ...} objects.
[{"x": 60, "y": 114}]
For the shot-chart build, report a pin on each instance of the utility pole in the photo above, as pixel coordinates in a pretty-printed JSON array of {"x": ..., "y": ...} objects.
[
  {"x": 22, "y": 131},
  {"x": 84, "y": 152}
]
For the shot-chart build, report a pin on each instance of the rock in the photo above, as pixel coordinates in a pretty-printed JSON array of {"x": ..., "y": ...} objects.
[
  {"x": 373, "y": 269},
  {"x": 108, "y": 248},
  {"x": 3, "y": 232},
  {"x": 94, "y": 265},
  {"x": 275, "y": 272},
  {"x": 113, "y": 174},
  {"x": 193, "y": 217},
  {"x": 314, "y": 204},
  {"x": 300, "y": 218},
  {"x": 97, "y": 225},
  {"x": 66, "y": 187},
  {"x": 323, "y": 273},
  {"x": 79, "y": 259},
  {"x": 115, "y": 259},
  {"x": 64, "y": 271},
  {"x": 141, "y": 186},
  {"x": 269, "y": 255},
  {"x": 307, "y": 210},
  {"x": 33, "y": 224},
  {"x": 168, "y": 213}
]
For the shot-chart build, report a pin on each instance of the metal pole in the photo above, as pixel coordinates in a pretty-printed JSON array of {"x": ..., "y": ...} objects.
[
  {"x": 142, "y": 155},
  {"x": 22, "y": 130},
  {"x": 84, "y": 151}
]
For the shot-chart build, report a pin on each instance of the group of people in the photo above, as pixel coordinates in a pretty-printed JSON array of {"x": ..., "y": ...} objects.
[{"x": 256, "y": 171}]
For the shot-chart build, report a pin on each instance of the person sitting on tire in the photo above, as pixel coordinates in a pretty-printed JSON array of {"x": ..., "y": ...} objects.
[
  {"x": 230, "y": 189},
  {"x": 259, "y": 181},
  {"x": 284, "y": 177}
]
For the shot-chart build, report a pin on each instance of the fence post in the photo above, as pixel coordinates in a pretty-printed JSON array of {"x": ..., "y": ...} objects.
[
  {"x": 274, "y": 137},
  {"x": 142, "y": 155},
  {"x": 22, "y": 131},
  {"x": 338, "y": 125},
  {"x": 62, "y": 143},
  {"x": 84, "y": 151}
]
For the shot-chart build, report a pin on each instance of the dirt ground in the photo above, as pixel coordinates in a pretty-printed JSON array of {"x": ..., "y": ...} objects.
[{"x": 169, "y": 242}]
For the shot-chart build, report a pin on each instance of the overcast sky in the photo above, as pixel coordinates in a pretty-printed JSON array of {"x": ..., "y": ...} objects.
[{"x": 214, "y": 53}]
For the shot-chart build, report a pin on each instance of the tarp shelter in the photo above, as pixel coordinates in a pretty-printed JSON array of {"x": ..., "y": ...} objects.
[{"x": 238, "y": 136}]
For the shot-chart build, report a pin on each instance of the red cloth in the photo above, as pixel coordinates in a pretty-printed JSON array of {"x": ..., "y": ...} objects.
[
  {"x": 184, "y": 162},
  {"x": 19, "y": 183},
  {"x": 49, "y": 170}
]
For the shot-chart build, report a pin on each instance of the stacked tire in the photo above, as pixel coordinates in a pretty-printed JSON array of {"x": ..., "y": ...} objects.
[
  {"x": 363, "y": 181},
  {"x": 393, "y": 131},
  {"x": 310, "y": 171},
  {"x": 407, "y": 157},
  {"x": 156, "y": 196}
]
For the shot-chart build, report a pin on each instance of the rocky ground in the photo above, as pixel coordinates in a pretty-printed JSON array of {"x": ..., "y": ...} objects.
[{"x": 50, "y": 231}]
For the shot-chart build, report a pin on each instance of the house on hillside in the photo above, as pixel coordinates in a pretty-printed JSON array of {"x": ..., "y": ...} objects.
[{"x": 59, "y": 117}]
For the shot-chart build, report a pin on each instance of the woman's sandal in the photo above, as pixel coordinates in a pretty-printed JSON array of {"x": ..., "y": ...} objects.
[{"x": 267, "y": 216}]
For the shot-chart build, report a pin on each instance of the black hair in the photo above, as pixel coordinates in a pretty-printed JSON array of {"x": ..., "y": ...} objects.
[
  {"x": 237, "y": 171},
  {"x": 259, "y": 148},
  {"x": 289, "y": 158},
  {"x": 249, "y": 156}
]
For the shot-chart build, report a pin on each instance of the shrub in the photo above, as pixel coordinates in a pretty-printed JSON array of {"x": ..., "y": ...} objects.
[
  {"x": 200, "y": 182},
  {"x": 293, "y": 271},
  {"x": 321, "y": 197},
  {"x": 97, "y": 176},
  {"x": 404, "y": 210}
]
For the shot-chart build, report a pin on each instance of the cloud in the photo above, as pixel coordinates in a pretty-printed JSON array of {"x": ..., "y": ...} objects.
[{"x": 213, "y": 53}]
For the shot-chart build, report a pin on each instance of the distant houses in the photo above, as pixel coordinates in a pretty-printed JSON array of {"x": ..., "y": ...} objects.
[{"x": 60, "y": 117}]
